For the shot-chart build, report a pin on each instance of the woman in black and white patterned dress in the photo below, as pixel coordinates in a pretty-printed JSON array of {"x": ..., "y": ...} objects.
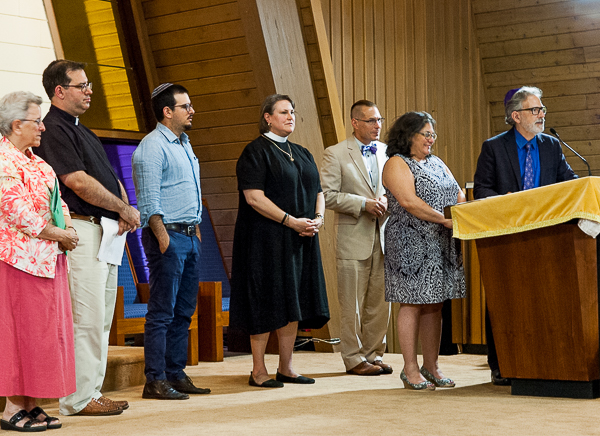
[{"x": 423, "y": 264}]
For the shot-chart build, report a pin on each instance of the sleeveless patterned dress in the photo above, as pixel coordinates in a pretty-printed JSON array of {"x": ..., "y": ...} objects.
[{"x": 423, "y": 263}]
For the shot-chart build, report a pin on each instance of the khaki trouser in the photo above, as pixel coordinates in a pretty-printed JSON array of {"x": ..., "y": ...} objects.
[
  {"x": 93, "y": 287},
  {"x": 363, "y": 309}
]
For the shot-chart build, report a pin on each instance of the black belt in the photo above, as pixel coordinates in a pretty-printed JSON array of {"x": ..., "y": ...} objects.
[{"x": 186, "y": 229}]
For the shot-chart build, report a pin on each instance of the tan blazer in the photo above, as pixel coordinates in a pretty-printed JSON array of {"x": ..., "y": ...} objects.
[{"x": 346, "y": 183}]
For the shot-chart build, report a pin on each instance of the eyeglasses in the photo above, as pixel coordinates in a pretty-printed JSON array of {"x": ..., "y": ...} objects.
[
  {"x": 372, "y": 121},
  {"x": 534, "y": 110},
  {"x": 428, "y": 135},
  {"x": 83, "y": 86},
  {"x": 187, "y": 106},
  {"x": 38, "y": 121}
]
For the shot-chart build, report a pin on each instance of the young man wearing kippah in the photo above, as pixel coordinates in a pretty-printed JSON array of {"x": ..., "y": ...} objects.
[{"x": 166, "y": 174}]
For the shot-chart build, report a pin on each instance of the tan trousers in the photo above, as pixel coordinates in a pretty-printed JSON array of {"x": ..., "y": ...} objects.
[
  {"x": 363, "y": 309},
  {"x": 93, "y": 287}
]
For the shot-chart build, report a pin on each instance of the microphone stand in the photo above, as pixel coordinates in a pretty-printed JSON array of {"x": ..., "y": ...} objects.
[{"x": 574, "y": 152}]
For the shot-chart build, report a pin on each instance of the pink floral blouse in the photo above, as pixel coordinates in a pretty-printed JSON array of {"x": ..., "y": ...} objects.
[{"x": 26, "y": 182}]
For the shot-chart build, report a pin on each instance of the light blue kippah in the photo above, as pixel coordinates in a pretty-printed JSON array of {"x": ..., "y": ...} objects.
[{"x": 160, "y": 88}]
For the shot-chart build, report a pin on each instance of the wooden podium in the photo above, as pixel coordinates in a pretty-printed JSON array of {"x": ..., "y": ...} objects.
[{"x": 540, "y": 274}]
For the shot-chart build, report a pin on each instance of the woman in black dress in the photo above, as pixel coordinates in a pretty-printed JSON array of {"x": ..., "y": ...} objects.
[{"x": 277, "y": 276}]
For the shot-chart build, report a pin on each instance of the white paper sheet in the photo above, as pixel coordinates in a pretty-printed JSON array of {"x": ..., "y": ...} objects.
[
  {"x": 112, "y": 245},
  {"x": 588, "y": 227}
]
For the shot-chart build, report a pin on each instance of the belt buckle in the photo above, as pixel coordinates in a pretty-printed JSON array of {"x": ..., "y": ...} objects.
[{"x": 191, "y": 230}]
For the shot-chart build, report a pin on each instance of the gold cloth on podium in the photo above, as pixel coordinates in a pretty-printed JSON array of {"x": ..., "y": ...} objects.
[{"x": 527, "y": 210}]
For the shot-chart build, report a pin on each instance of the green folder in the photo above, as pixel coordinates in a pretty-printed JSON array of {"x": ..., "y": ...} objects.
[{"x": 56, "y": 207}]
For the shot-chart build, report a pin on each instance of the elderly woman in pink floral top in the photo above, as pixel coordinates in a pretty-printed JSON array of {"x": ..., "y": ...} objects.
[{"x": 37, "y": 357}]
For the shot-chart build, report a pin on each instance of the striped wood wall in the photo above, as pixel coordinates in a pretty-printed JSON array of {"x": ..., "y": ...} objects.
[
  {"x": 413, "y": 55},
  {"x": 559, "y": 52},
  {"x": 201, "y": 45}
]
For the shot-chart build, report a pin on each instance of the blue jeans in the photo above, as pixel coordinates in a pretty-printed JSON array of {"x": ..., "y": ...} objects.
[{"x": 174, "y": 277}]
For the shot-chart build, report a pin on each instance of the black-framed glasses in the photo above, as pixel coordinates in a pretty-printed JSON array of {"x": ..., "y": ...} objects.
[
  {"x": 38, "y": 121},
  {"x": 83, "y": 86},
  {"x": 372, "y": 121},
  {"x": 428, "y": 135},
  {"x": 534, "y": 110},
  {"x": 186, "y": 106}
]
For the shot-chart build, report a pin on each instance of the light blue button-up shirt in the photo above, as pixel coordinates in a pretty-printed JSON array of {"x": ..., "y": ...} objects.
[{"x": 166, "y": 175}]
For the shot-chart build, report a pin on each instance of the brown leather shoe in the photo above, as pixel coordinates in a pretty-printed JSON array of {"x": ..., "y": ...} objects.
[
  {"x": 387, "y": 369},
  {"x": 365, "y": 368},
  {"x": 95, "y": 408},
  {"x": 107, "y": 402}
]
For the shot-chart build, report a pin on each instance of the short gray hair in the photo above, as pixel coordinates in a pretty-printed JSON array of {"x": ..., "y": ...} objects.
[
  {"x": 516, "y": 101},
  {"x": 14, "y": 106}
]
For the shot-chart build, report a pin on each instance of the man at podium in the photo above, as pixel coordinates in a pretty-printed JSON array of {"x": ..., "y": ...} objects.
[{"x": 518, "y": 159}]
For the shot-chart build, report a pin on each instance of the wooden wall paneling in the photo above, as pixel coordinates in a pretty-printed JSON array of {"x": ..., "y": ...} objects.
[
  {"x": 344, "y": 46},
  {"x": 370, "y": 63},
  {"x": 201, "y": 52},
  {"x": 257, "y": 48},
  {"x": 333, "y": 102},
  {"x": 359, "y": 35},
  {"x": 379, "y": 95},
  {"x": 387, "y": 101},
  {"x": 321, "y": 70},
  {"x": 551, "y": 27},
  {"x": 145, "y": 46},
  {"x": 194, "y": 18},
  {"x": 180, "y": 38},
  {"x": 221, "y": 152},
  {"x": 540, "y": 11},
  {"x": 153, "y": 8},
  {"x": 208, "y": 68},
  {"x": 440, "y": 70},
  {"x": 534, "y": 44},
  {"x": 222, "y": 135},
  {"x": 540, "y": 60},
  {"x": 481, "y": 6}
]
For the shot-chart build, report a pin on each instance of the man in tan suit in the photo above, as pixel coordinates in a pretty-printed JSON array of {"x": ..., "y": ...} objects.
[{"x": 351, "y": 180}]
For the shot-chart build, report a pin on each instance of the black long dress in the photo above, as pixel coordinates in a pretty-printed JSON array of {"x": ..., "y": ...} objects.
[{"x": 277, "y": 275}]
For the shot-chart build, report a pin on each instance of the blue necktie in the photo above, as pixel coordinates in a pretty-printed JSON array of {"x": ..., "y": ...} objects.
[
  {"x": 366, "y": 148},
  {"x": 528, "y": 176}
]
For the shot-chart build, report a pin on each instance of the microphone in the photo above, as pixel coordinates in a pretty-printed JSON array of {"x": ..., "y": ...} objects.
[{"x": 574, "y": 152}]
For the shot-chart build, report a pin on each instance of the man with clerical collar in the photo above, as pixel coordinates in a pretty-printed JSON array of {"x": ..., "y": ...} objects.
[
  {"x": 92, "y": 190},
  {"x": 351, "y": 181},
  {"x": 519, "y": 159},
  {"x": 166, "y": 174}
]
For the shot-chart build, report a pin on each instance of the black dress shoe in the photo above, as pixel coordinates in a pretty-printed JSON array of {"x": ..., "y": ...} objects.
[
  {"x": 162, "y": 390},
  {"x": 266, "y": 384},
  {"x": 300, "y": 379},
  {"x": 498, "y": 380},
  {"x": 186, "y": 386}
]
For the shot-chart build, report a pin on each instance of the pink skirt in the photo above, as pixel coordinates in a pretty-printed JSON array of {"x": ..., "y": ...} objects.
[{"x": 37, "y": 357}]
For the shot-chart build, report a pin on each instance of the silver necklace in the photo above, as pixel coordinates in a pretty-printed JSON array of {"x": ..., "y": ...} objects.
[{"x": 283, "y": 151}]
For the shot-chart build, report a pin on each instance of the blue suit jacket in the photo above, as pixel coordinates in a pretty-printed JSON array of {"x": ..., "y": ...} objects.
[{"x": 498, "y": 170}]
